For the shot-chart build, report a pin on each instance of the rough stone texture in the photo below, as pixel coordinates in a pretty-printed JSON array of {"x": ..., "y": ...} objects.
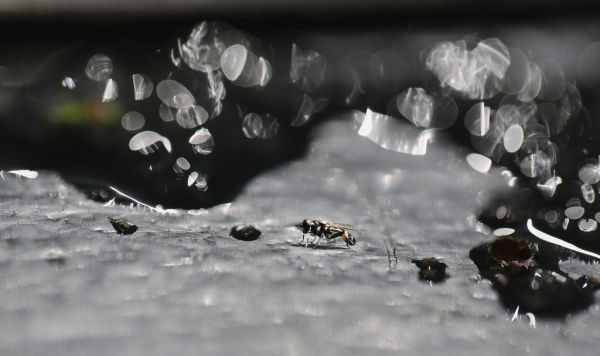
[{"x": 180, "y": 285}]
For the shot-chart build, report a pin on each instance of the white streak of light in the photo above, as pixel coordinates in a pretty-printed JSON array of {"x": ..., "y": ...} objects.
[{"x": 554, "y": 240}]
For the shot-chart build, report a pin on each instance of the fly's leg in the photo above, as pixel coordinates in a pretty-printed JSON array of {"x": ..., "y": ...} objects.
[
  {"x": 301, "y": 241},
  {"x": 313, "y": 240},
  {"x": 315, "y": 245}
]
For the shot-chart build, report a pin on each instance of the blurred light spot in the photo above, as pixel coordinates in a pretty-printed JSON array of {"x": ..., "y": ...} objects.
[
  {"x": 477, "y": 74},
  {"x": 554, "y": 240},
  {"x": 146, "y": 142},
  {"x": 173, "y": 94},
  {"x": 480, "y": 163},
  {"x": 587, "y": 66},
  {"x": 587, "y": 192},
  {"x": 393, "y": 134},
  {"x": 590, "y": 173},
  {"x": 477, "y": 119},
  {"x": 166, "y": 113},
  {"x": 551, "y": 216},
  {"x": 202, "y": 51},
  {"x": 427, "y": 111},
  {"x": 181, "y": 165},
  {"x": 111, "y": 91},
  {"x": 191, "y": 116},
  {"x": 504, "y": 231},
  {"x": 202, "y": 141},
  {"x": 142, "y": 86},
  {"x": 198, "y": 180},
  {"x": 68, "y": 83},
  {"x": 535, "y": 164},
  {"x": 548, "y": 188},
  {"x": 304, "y": 112},
  {"x": 587, "y": 225},
  {"x": 252, "y": 125},
  {"x": 553, "y": 80},
  {"x": 513, "y": 138},
  {"x": 307, "y": 69},
  {"x": 243, "y": 68},
  {"x": 25, "y": 173},
  {"x": 99, "y": 67},
  {"x": 133, "y": 121}
]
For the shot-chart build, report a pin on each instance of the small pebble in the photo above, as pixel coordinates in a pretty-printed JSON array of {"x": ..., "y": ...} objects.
[
  {"x": 431, "y": 269},
  {"x": 122, "y": 226},
  {"x": 245, "y": 232}
]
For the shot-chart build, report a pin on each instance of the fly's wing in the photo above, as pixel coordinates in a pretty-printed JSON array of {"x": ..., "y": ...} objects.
[{"x": 346, "y": 226}]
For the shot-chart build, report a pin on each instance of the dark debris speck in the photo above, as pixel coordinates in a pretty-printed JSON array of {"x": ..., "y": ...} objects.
[
  {"x": 245, "y": 233},
  {"x": 431, "y": 269},
  {"x": 524, "y": 277},
  {"x": 122, "y": 226}
]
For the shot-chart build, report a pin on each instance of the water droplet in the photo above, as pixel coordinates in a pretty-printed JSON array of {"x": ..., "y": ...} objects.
[
  {"x": 133, "y": 121},
  {"x": 146, "y": 142},
  {"x": 99, "y": 67},
  {"x": 173, "y": 94},
  {"x": 191, "y": 117},
  {"x": 142, "y": 86},
  {"x": 202, "y": 141},
  {"x": 111, "y": 91}
]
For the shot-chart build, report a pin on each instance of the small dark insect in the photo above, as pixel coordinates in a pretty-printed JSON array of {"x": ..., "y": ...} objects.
[
  {"x": 431, "y": 269},
  {"x": 245, "y": 233},
  {"x": 122, "y": 226},
  {"x": 323, "y": 229}
]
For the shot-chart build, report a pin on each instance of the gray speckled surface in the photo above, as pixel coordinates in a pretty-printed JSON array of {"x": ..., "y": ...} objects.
[{"x": 180, "y": 285}]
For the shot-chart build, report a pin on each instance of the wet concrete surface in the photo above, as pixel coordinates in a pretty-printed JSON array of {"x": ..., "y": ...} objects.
[{"x": 70, "y": 285}]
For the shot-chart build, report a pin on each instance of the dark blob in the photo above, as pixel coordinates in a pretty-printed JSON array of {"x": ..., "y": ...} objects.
[
  {"x": 431, "y": 269},
  {"x": 245, "y": 233},
  {"x": 122, "y": 226},
  {"x": 524, "y": 277}
]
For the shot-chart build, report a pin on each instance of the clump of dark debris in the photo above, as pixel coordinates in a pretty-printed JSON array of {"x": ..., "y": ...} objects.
[
  {"x": 431, "y": 269},
  {"x": 245, "y": 233},
  {"x": 524, "y": 277},
  {"x": 122, "y": 226}
]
